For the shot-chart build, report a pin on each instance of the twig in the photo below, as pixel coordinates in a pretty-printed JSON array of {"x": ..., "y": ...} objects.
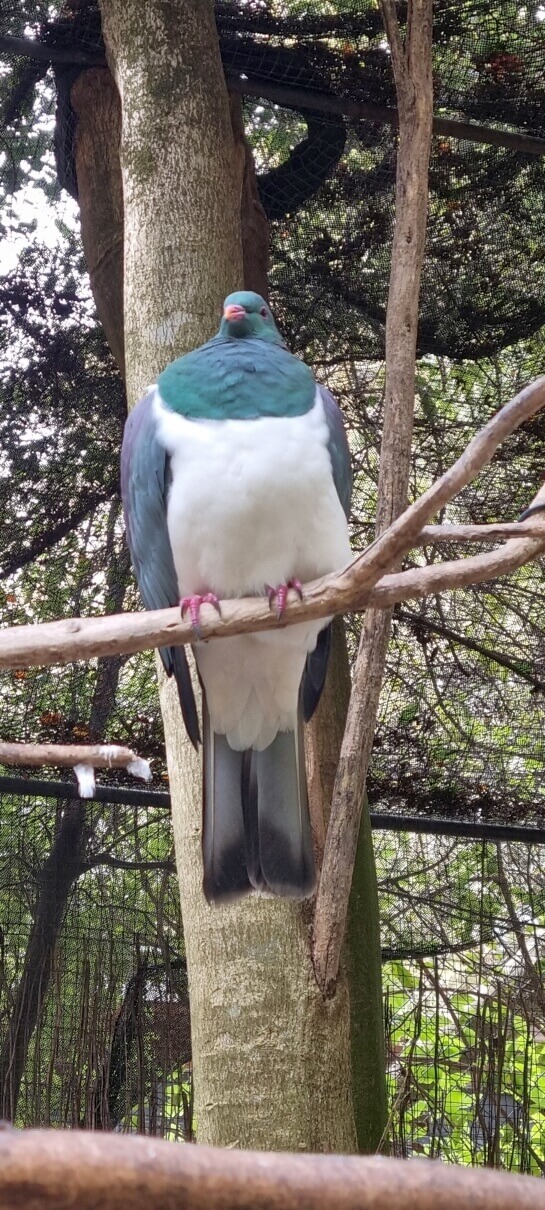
[
  {"x": 117, "y": 863},
  {"x": 422, "y": 625}
]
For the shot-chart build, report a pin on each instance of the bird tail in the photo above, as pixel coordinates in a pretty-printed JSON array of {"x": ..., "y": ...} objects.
[{"x": 256, "y": 826}]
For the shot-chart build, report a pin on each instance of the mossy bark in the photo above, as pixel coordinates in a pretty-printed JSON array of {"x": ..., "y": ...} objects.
[{"x": 271, "y": 1057}]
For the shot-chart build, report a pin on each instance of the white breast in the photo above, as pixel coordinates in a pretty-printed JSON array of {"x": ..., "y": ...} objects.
[{"x": 252, "y": 502}]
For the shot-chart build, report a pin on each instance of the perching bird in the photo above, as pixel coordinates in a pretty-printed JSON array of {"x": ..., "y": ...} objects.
[{"x": 235, "y": 477}]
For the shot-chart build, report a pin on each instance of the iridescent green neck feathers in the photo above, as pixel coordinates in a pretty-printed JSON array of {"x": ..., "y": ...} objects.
[{"x": 243, "y": 373}]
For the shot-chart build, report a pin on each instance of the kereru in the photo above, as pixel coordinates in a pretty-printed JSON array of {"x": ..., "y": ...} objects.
[{"x": 235, "y": 477}]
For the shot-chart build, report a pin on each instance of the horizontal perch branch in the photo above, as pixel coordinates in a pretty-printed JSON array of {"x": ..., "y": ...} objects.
[
  {"x": 82, "y": 758},
  {"x": 97, "y": 756},
  {"x": 452, "y": 128},
  {"x": 128, "y": 633},
  {"x": 298, "y": 98},
  {"x": 47, "y": 1169},
  {"x": 360, "y": 584}
]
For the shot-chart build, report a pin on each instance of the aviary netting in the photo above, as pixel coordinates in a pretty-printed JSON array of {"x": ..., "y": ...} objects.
[{"x": 461, "y": 729}]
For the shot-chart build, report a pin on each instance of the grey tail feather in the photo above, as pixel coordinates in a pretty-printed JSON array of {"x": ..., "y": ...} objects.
[
  {"x": 256, "y": 826},
  {"x": 175, "y": 663},
  {"x": 223, "y": 833}
]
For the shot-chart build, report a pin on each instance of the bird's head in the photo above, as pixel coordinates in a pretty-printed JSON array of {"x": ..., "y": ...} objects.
[{"x": 247, "y": 314}]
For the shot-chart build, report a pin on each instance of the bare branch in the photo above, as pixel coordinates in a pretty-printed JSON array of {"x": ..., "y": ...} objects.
[
  {"x": 117, "y": 863},
  {"x": 432, "y": 535},
  {"x": 296, "y": 98},
  {"x": 391, "y": 25},
  {"x": 352, "y": 589},
  {"x": 128, "y": 633},
  {"x": 421, "y": 625},
  {"x": 97, "y": 1168},
  {"x": 458, "y": 573},
  {"x": 96, "y": 756}
]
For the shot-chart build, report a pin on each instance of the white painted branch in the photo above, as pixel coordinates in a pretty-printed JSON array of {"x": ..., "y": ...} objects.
[{"x": 83, "y": 758}]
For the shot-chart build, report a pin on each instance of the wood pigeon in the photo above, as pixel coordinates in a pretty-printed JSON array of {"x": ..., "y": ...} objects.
[{"x": 236, "y": 481}]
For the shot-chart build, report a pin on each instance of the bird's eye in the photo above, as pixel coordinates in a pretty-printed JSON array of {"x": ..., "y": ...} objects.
[{"x": 263, "y": 312}]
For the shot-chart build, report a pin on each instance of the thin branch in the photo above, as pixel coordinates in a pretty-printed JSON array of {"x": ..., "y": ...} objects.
[
  {"x": 461, "y": 640},
  {"x": 117, "y": 863},
  {"x": 459, "y": 573},
  {"x": 45, "y": 541},
  {"x": 532, "y": 973},
  {"x": 431, "y": 535},
  {"x": 391, "y": 25},
  {"x": 95, "y": 756}
]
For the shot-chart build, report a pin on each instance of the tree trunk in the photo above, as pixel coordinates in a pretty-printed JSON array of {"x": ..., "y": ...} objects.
[
  {"x": 95, "y": 100},
  {"x": 271, "y": 1057}
]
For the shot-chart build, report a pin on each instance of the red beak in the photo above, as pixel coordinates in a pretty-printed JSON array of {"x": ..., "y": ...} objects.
[{"x": 233, "y": 312}]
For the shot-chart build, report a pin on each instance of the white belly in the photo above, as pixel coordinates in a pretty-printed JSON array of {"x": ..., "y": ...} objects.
[{"x": 252, "y": 503}]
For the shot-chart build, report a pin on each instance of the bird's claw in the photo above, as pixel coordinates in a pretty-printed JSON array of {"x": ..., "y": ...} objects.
[
  {"x": 280, "y": 594},
  {"x": 193, "y": 605}
]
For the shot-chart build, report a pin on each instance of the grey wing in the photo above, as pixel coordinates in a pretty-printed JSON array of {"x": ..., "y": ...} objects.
[
  {"x": 339, "y": 452},
  {"x": 144, "y": 489}
]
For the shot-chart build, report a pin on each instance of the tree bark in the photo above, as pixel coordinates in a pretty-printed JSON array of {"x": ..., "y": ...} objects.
[
  {"x": 47, "y": 1170},
  {"x": 254, "y": 221},
  {"x": 95, "y": 100},
  {"x": 271, "y": 1058}
]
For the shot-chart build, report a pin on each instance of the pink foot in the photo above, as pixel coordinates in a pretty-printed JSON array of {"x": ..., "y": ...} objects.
[
  {"x": 280, "y": 594},
  {"x": 193, "y": 604}
]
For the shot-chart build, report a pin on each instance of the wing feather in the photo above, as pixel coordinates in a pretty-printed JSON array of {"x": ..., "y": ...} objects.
[
  {"x": 144, "y": 489},
  {"x": 339, "y": 452}
]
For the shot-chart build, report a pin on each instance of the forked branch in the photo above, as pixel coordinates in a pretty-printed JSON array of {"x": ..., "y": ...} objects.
[{"x": 360, "y": 584}]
